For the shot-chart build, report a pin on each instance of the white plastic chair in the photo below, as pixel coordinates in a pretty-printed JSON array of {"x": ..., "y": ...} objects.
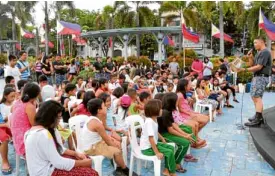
[
  {"x": 199, "y": 106},
  {"x": 136, "y": 152},
  {"x": 75, "y": 124},
  {"x": 17, "y": 164}
]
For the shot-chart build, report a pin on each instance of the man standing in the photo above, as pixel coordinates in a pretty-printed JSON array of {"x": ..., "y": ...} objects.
[
  {"x": 109, "y": 68},
  {"x": 60, "y": 70},
  {"x": 261, "y": 67},
  {"x": 24, "y": 66},
  {"x": 174, "y": 67},
  {"x": 98, "y": 68},
  {"x": 207, "y": 68},
  {"x": 11, "y": 70}
]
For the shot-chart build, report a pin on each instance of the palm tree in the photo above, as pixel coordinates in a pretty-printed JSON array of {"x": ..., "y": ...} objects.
[
  {"x": 139, "y": 12},
  {"x": 21, "y": 10},
  {"x": 221, "y": 29}
]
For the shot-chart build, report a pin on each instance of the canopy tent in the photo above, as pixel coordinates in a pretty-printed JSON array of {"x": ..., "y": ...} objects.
[
  {"x": 50, "y": 44},
  {"x": 66, "y": 28}
]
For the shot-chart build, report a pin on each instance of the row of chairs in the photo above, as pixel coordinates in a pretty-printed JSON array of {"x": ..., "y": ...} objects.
[{"x": 77, "y": 122}]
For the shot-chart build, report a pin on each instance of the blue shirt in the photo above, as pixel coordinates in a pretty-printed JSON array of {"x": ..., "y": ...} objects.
[
  {"x": 26, "y": 73},
  {"x": 1, "y": 119}
]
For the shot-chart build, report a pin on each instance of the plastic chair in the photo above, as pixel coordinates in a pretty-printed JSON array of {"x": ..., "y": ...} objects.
[
  {"x": 136, "y": 151},
  {"x": 17, "y": 164},
  {"x": 75, "y": 124},
  {"x": 199, "y": 106}
]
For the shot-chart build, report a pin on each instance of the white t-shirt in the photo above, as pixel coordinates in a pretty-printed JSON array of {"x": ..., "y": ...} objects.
[
  {"x": 9, "y": 71},
  {"x": 207, "y": 71},
  {"x": 41, "y": 153},
  {"x": 120, "y": 120},
  {"x": 150, "y": 128},
  {"x": 5, "y": 110}
]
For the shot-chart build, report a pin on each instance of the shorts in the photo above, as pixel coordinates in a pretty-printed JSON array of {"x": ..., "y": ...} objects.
[
  {"x": 60, "y": 78},
  {"x": 101, "y": 148},
  {"x": 5, "y": 134},
  {"x": 273, "y": 79},
  {"x": 258, "y": 86}
]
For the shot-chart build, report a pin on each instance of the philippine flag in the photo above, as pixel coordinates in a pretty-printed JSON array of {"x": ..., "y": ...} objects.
[
  {"x": 188, "y": 34},
  {"x": 267, "y": 25},
  {"x": 168, "y": 41},
  {"x": 26, "y": 34},
  {"x": 215, "y": 32},
  {"x": 66, "y": 28},
  {"x": 78, "y": 40}
]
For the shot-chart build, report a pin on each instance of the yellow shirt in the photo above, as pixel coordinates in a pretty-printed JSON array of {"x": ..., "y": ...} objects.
[{"x": 207, "y": 89}]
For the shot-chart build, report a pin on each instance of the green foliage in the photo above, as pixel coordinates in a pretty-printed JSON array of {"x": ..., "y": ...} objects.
[
  {"x": 85, "y": 74},
  {"x": 119, "y": 60},
  {"x": 3, "y": 58},
  {"x": 245, "y": 77},
  {"x": 189, "y": 53},
  {"x": 145, "y": 61},
  {"x": 31, "y": 59}
]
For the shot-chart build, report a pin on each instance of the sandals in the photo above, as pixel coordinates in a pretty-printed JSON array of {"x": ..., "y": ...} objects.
[
  {"x": 236, "y": 101},
  {"x": 190, "y": 158},
  {"x": 229, "y": 106},
  {"x": 181, "y": 170},
  {"x": 7, "y": 171}
]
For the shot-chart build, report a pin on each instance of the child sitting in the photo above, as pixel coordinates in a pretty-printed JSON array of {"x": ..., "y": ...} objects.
[
  {"x": 144, "y": 97},
  {"x": 135, "y": 106},
  {"x": 149, "y": 139}
]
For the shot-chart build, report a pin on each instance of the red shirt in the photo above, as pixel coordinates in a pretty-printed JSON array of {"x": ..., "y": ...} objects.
[{"x": 81, "y": 110}]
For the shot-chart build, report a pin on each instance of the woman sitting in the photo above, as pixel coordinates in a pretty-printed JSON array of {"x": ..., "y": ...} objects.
[
  {"x": 44, "y": 147},
  {"x": 203, "y": 97}
]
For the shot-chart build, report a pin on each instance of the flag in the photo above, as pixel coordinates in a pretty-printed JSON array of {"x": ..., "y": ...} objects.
[
  {"x": 168, "y": 41},
  {"x": 187, "y": 34},
  {"x": 78, "y": 40},
  {"x": 50, "y": 44},
  {"x": 215, "y": 32},
  {"x": 17, "y": 46},
  {"x": 66, "y": 28},
  {"x": 26, "y": 34},
  {"x": 267, "y": 25},
  {"x": 62, "y": 46}
]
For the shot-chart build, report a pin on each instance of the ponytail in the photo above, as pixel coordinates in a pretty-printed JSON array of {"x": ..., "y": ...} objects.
[
  {"x": 25, "y": 98},
  {"x": 58, "y": 147}
]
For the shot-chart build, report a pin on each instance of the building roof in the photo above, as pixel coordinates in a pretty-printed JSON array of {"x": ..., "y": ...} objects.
[
  {"x": 139, "y": 30},
  {"x": 8, "y": 42}
]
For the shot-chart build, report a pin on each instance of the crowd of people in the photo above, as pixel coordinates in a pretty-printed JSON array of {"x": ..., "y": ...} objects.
[{"x": 33, "y": 111}]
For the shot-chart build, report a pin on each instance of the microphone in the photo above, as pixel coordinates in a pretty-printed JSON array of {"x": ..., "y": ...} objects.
[{"x": 250, "y": 52}]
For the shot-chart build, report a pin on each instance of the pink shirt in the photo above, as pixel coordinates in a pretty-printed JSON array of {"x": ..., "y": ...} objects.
[
  {"x": 19, "y": 125},
  {"x": 198, "y": 65},
  {"x": 184, "y": 105},
  {"x": 81, "y": 110}
]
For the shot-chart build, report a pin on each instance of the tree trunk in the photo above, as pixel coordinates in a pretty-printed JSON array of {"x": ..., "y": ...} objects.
[
  {"x": 113, "y": 39},
  {"x": 37, "y": 42},
  {"x": 137, "y": 36},
  {"x": 221, "y": 30},
  {"x": 13, "y": 33},
  {"x": 46, "y": 29}
]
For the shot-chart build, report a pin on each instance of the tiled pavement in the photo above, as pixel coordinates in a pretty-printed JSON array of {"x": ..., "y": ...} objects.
[{"x": 230, "y": 152}]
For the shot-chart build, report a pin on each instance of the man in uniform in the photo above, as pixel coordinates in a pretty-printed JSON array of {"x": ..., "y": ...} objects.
[{"x": 261, "y": 67}]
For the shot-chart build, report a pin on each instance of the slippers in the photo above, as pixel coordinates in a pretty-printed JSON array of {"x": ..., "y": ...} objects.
[
  {"x": 236, "y": 101},
  {"x": 7, "y": 171},
  {"x": 190, "y": 158},
  {"x": 229, "y": 106}
]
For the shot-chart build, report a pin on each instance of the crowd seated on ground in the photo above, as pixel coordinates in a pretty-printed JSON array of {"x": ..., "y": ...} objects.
[{"x": 34, "y": 114}]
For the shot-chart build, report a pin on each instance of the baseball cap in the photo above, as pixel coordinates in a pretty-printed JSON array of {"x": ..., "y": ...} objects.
[{"x": 125, "y": 101}]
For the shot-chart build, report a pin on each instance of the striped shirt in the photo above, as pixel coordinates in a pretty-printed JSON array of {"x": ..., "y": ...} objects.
[{"x": 26, "y": 73}]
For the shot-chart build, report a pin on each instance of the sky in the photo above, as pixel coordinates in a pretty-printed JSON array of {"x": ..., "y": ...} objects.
[{"x": 80, "y": 4}]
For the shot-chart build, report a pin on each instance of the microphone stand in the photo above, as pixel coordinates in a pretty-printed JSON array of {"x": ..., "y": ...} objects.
[{"x": 240, "y": 126}]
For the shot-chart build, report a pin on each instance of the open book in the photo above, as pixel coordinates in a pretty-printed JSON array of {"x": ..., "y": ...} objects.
[{"x": 236, "y": 64}]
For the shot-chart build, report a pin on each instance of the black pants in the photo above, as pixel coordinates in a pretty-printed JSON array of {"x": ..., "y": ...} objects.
[
  {"x": 37, "y": 75},
  {"x": 230, "y": 88}
]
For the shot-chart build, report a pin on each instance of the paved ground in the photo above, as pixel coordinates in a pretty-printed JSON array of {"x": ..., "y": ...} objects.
[{"x": 230, "y": 152}]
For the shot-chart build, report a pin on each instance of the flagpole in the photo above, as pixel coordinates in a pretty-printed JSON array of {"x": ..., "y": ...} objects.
[
  {"x": 183, "y": 53},
  {"x": 57, "y": 43},
  {"x": 259, "y": 30},
  {"x": 20, "y": 42}
]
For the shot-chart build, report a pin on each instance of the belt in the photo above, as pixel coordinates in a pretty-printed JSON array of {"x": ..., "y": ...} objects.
[{"x": 261, "y": 75}]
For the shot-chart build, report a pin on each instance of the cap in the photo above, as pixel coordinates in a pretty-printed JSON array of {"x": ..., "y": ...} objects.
[{"x": 125, "y": 101}]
